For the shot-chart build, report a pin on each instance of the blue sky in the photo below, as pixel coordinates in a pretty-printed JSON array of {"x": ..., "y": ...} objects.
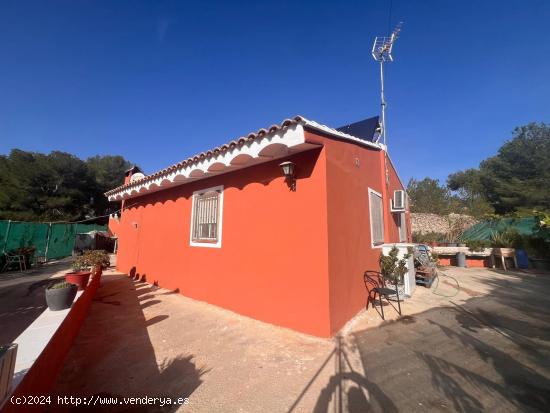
[{"x": 158, "y": 81}]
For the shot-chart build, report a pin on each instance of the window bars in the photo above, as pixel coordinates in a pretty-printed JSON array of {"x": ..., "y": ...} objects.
[{"x": 206, "y": 217}]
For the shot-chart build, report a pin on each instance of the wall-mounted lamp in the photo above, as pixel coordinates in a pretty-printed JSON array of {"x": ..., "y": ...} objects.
[{"x": 288, "y": 171}]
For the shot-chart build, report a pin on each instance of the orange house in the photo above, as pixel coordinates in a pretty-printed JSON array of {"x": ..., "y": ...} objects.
[{"x": 227, "y": 227}]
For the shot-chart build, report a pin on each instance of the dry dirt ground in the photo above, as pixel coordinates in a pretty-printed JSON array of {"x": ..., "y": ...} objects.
[{"x": 486, "y": 348}]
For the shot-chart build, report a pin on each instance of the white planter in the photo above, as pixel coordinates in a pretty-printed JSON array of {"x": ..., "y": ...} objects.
[
  {"x": 400, "y": 289},
  {"x": 409, "y": 279}
]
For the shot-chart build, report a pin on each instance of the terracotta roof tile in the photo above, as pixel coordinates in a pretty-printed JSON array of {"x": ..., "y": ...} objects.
[
  {"x": 215, "y": 151},
  {"x": 240, "y": 142}
]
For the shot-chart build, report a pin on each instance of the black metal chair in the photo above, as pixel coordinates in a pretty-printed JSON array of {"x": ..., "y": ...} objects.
[{"x": 376, "y": 286}]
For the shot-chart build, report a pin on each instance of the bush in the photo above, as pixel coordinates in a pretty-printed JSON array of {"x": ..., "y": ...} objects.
[
  {"x": 428, "y": 237},
  {"x": 60, "y": 285},
  {"x": 393, "y": 268},
  {"x": 97, "y": 257},
  {"x": 80, "y": 264},
  {"x": 90, "y": 259},
  {"x": 477, "y": 244},
  {"x": 509, "y": 238},
  {"x": 537, "y": 247}
]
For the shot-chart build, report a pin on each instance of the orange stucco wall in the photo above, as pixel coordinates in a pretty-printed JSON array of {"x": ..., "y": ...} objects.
[
  {"x": 273, "y": 261},
  {"x": 351, "y": 171},
  {"x": 294, "y": 259}
]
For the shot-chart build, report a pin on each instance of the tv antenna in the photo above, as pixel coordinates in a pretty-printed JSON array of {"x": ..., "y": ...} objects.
[{"x": 381, "y": 52}]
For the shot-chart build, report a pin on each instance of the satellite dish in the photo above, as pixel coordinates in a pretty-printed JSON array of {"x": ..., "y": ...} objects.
[{"x": 136, "y": 177}]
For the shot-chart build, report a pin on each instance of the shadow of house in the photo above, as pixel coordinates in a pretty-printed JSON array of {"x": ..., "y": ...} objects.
[{"x": 113, "y": 355}]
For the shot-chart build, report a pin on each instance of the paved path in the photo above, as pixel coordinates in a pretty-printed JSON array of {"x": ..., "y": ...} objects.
[
  {"x": 486, "y": 349},
  {"x": 491, "y": 354},
  {"x": 22, "y": 297}
]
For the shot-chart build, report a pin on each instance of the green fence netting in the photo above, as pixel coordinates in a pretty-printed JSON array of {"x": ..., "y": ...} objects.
[
  {"x": 483, "y": 230},
  {"x": 50, "y": 240}
]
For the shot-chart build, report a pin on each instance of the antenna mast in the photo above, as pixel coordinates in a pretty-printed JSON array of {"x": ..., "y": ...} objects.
[{"x": 381, "y": 52}]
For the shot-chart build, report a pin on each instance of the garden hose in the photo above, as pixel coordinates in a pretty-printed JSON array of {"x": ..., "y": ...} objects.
[{"x": 434, "y": 290}]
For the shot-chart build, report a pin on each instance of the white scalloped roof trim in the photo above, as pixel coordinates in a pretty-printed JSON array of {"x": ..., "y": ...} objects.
[{"x": 276, "y": 142}]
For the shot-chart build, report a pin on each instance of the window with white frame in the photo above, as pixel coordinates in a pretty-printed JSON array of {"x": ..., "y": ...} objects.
[
  {"x": 206, "y": 217},
  {"x": 376, "y": 217}
]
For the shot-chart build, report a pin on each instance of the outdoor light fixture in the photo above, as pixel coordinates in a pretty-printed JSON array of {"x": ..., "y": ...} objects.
[{"x": 288, "y": 171}]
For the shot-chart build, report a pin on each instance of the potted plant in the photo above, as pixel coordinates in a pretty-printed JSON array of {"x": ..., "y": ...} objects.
[
  {"x": 98, "y": 260},
  {"x": 503, "y": 242},
  {"x": 60, "y": 295},
  {"x": 393, "y": 269},
  {"x": 80, "y": 274}
]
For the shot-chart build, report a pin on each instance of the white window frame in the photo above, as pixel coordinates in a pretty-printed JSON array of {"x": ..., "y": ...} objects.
[
  {"x": 373, "y": 244},
  {"x": 402, "y": 229},
  {"x": 218, "y": 243}
]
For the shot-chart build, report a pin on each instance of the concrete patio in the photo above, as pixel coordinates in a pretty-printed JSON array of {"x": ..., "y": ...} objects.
[
  {"x": 486, "y": 348},
  {"x": 22, "y": 296}
]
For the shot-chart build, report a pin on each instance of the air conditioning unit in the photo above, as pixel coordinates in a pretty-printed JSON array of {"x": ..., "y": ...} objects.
[{"x": 399, "y": 200}]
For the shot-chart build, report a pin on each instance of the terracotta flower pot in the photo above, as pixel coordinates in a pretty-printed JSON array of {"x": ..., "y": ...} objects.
[
  {"x": 97, "y": 271},
  {"x": 80, "y": 279}
]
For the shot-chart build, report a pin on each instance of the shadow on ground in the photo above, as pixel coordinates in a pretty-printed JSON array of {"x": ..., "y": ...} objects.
[
  {"x": 115, "y": 353},
  {"x": 491, "y": 354},
  {"x": 22, "y": 298}
]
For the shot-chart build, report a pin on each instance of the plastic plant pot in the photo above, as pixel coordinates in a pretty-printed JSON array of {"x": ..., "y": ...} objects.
[{"x": 60, "y": 298}]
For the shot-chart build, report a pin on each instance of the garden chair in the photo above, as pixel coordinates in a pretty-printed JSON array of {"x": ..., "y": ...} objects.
[
  {"x": 376, "y": 286},
  {"x": 12, "y": 258}
]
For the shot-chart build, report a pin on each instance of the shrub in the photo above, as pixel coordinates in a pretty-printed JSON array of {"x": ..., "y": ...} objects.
[
  {"x": 477, "y": 244},
  {"x": 97, "y": 257},
  {"x": 509, "y": 238},
  {"x": 393, "y": 268},
  {"x": 80, "y": 263},
  {"x": 90, "y": 259},
  {"x": 60, "y": 285},
  {"x": 427, "y": 237},
  {"x": 537, "y": 247}
]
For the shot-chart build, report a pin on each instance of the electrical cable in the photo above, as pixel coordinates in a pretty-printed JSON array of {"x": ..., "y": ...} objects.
[
  {"x": 389, "y": 17},
  {"x": 94, "y": 218}
]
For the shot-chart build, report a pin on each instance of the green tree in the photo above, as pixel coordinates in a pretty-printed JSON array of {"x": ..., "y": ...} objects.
[
  {"x": 108, "y": 173},
  {"x": 429, "y": 196},
  {"x": 58, "y": 186},
  {"x": 518, "y": 177},
  {"x": 108, "y": 170},
  {"x": 469, "y": 192}
]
